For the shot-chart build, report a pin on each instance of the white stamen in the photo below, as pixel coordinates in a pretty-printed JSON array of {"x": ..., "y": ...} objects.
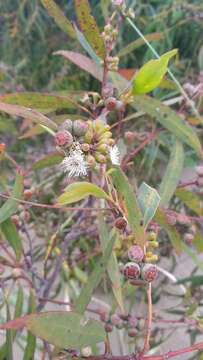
[
  {"x": 74, "y": 164},
  {"x": 114, "y": 155}
]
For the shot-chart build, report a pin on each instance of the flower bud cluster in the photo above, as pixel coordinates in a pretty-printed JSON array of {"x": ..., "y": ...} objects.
[
  {"x": 119, "y": 321},
  {"x": 109, "y": 35}
]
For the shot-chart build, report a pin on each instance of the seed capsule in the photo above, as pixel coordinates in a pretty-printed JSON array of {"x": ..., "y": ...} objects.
[
  {"x": 135, "y": 253},
  {"x": 149, "y": 272},
  {"x": 63, "y": 138},
  {"x": 110, "y": 103},
  {"x": 120, "y": 223},
  {"x": 131, "y": 270}
]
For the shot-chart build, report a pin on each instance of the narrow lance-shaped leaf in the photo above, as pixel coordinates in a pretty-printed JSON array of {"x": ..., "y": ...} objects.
[
  {"x": 94, "y": 279},
  {"x": 11, "y": 234},
  {"x": 32, "y": 115},
  {"x": 149, "y": 200},
  {"x": 172, "y": 173},
  {"x": 29, "y": 352},
  {"x": 191, "y": 200},
  {"x": 169, "y": 120},
  {"x": 48, "y": 160},
  {"x": 113, "y": 267},
  {"x": 82, "y": 62},
  {"x": 55, "y": 12},
  {"x": 80, "y": 190},
  {"x": 151, "y": 74},
  {"x": 11, "y": 205},
  {"x": 89, "y": 27},
  {"x": 125, "y": 191}
]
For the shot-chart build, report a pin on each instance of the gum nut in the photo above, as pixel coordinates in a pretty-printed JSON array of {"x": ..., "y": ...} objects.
[
  {"x": 110, "y": 103},
  {"x": 131, "y": 270},
  {"x": 120, "y": 223},
  {"x": 149, "y": 272}
]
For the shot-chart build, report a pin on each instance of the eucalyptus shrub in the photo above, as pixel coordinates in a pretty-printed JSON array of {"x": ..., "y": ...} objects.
[{"x": 78, "y": 231}]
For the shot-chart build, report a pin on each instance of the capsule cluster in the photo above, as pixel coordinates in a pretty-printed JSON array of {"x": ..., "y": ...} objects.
[{"x": 119, "y": 321}]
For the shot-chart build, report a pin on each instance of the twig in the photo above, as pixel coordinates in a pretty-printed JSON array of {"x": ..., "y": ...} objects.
[{"x": 149, "y": 319}]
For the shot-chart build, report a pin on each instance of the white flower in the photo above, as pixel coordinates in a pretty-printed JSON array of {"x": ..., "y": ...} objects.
[
  {"x": 114, "y": 155},
  {"x": 74, "y": 164}
]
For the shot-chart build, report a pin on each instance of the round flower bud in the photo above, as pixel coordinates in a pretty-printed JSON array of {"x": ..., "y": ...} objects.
[
  {"x": 115, "y": 319},
  {"x": 120, "y": 223},
  {"x": 86, "y": 351},
  {"x": 79, "y": 127},
  {"x": 149, "y": 272},
  {"x": 132, "y": 333},
  {"x": 27, "y": 194},
  {"x": 120, "y": 105},
  {"x": 67, "y": 125},
  {"x": 110, "y": 103},
  {"x": 100, "y": 158},
  {"x": 85, "y": 147},
  {"x": 129, "y": 137},
  {"x": 108, "y": 328},
  {"x": 199, "y": 170},
  {"x": 91, "y": 161},
  {"x": 135, "y": 253},
  {"x": 188, "y": 238},
  {"x": 131, "y": 270},
  {"x": 63, "y": 138},
  {"x": 151, "y": 236}
]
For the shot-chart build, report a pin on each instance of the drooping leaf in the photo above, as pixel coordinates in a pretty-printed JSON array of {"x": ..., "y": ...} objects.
[
  {"x": 82, "y": 62},
  {"x": 139, "y": 42},
  {"x": 174, "y": 236},
  {"x": 11, "y": 235},
  {"x": 86, "y": 46},
  {"x": 32, "y": 115},
  {"x": 48, "y": 160},
  {"x": 29, "y": 351},
  {"x": 80, "y": 190},
  {"x": 94, "y": 279},
  {"x": 151, "y": 74},
  {"x": 113, "y": 267},
  {"x": 172, "y": 173},
  {"x": 55, "y": 12},
  {"x": 126, "y": 192},
  {"x": 11, "y": 205},
  {"x": 169, "y": 120},
  {"x": 89, "y": 27},
  {"x": 191, "y": 200},
  {"x": 149, "y": 200}
]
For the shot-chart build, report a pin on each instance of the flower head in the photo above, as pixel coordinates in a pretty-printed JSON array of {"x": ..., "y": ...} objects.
[
  {"x": 114, "y": 155},
  {"x": 74, "y": 164}
]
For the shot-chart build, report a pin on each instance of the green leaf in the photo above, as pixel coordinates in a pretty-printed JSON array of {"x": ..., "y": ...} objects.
[
  {"x": 80, "y": 190},
  {"x": 174, "y": 236},
  {"x": 47, "y": 161},
  {"x": 32, "y": 115},
  {"x": 191, "y": 200},
  {"x": 65, "y": 329},
  {"x": 94, "y": 279},
  {"x": 125, "y": 191},
  {"x": 9, "y": 337},
  {"x": 169, "y": 120},
  {"x": 40, "y": 101},
  {"x": 55, "y": 12},
  {"x": 11, "y": 234},
  {"x": 18, "y": 305},
  {"x": 113, "y": 267},
  {"x": 172, "y": 174},
  {"x": 29, "y": 352},
  {"x": 86, "y": 46},
  {"x": 149, "y": 200},
  {"x": 89, "y": 27},
  {"x": 11, "y": 205},
  {"x": 151, "y": 74}
]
